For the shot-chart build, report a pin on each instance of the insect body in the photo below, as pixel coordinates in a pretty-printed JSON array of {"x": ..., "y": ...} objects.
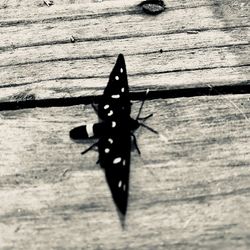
[
  {"x": 114, "y": 132},
  {"x": 102, "y": 128}
]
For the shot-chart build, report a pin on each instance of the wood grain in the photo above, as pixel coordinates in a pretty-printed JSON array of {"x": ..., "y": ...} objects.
[
  {"x": 62, "y": 6},
  {"x": 191, "y": 44},
  {"x": 112, "y": 26},
  {"x": 12, "y": 4},
  {"x": 156, "y": 71},
  {"x": 189, "y": 189}
]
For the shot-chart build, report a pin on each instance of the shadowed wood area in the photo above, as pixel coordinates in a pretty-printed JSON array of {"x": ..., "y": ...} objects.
[{"x": 190, "y": 188}]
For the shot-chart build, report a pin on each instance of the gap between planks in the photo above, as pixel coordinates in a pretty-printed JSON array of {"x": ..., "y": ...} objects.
[{"x": 209, "y": 90}]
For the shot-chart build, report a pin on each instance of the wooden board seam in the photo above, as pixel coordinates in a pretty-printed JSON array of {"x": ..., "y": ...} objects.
[{"x": 209, "y": 90}]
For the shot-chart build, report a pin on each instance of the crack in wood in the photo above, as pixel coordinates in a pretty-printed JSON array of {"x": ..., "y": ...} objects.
[
  {"x": 66, "y": 59},
  {"x": 240, "y": 88},
  {"x": 120, "y": 37}
]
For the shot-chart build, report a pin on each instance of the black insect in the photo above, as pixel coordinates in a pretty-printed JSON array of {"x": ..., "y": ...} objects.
[{"x": 114, "y": 132}]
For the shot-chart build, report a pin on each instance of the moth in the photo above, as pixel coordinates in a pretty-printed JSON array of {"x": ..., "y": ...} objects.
[{"x": 115, "y": 134}]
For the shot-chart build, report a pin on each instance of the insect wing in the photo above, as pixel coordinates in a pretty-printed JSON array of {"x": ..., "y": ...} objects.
[
  {"x": 114, "y": 157},
  {"x": 115, "y": 102},
  {"x": 114, "y": 147}
]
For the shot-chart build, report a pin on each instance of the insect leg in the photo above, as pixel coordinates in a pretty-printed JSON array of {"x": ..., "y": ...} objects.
[
  {"x": 87, "y": 150},
  {"x": 135, "y": 143},
  {"x": 94, "y": 107},
  {"x": 147, "y": 127}
]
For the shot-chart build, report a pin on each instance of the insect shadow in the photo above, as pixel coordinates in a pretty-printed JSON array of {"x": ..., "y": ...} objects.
[{"x": 114, "y": 134}]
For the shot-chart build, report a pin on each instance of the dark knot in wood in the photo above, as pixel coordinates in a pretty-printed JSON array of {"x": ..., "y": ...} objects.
[{"x": 152, "y": 7}]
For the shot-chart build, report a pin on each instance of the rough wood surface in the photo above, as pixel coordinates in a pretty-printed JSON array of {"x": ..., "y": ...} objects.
[
  {"x": 189, "y": 189},
  {"x": 193, "y": 43}
]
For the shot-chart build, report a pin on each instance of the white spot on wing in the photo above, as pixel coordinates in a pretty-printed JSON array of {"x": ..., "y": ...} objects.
[
  {"x": 110, "y": 113},
  {"x": 124, "y": 187},
  {"x": 115, "y": 96},
  {"x": 121, "y": 70},
  {"x": 124, "y": 162},
  {"x": 117, "y": 78},
  {"x": 106, "y": 150},
  {"x": 113, "y": 124},
  {"x": 110, "y": 141},
  {"x": 120, "y": 184},
  {"x": 117, "y": 160},
  {"x": 122, "y": 90},
  {"x": 106, "y": 106}
]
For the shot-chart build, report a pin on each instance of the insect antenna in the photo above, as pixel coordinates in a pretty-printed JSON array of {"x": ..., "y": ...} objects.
[
  {"x": 143, "y": 101},
  {"x": 144, "y": 118},
  {"x": 138, "y": 118},
  {"x": 95, "y": 108}
]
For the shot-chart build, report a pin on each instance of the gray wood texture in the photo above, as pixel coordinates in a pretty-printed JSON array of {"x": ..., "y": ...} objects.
[
  {"x": 189, "y": 188},
  {"x": 192, "y": 43}
]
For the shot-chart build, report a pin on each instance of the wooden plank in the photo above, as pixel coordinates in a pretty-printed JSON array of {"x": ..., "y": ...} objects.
[
  {"x": 36, "y": 10},
  {"x": 16, "y": 4},
  {"x": 149, "y": 44},
  {"x": 189, "y": 189},
  {"x": 88, "y": 76},
  {"x": 136, "y": 64},
  {"x": 9, "y": 6},
  {"x": 161, "y": 53},
  {"x": 113, "y": 26},
  {"x": 94, "y": 86}
]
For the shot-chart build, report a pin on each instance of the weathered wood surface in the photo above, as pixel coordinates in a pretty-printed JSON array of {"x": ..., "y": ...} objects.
[
  {"x": 192, "y": 43},
  {"x": 189, "y": 189}
]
